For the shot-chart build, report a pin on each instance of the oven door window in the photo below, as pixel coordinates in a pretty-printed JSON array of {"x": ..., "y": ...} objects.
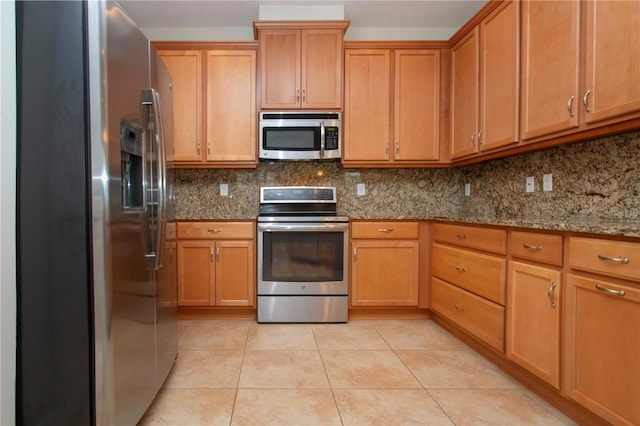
[
  {"x": 291, "y": 138},
  {"x": 303, "y": 256}
]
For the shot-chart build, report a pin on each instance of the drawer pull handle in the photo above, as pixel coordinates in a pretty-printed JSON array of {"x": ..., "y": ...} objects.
[
  {"x": 461, "y": 236},
  {"x": 550, "y": 294},
  {"x": 600, "y": 287},
  {"x": 385, "y": 229},
  {"x": 214, "y": 230},
  {"x": 532, "y": 247},
  {"x": 461, "y": 269},
  {"x": 624, "y": 260},
  {"x": 459, "y": 308},
  {"x": 570, "y": 106}
]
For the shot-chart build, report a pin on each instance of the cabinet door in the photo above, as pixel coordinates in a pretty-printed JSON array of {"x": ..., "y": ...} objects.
[
  {"x": 417, "y": 105},
  {"x": 499, "y": 77},
  {"x": 612, "y": 59},
  {"x": 321, "y": 80},
  {"x": 185, "y": 67},
  {"x": 280, "y": 68},
  {"x": 464, "y": 95},
  {"x": 235, "y": 273},
  {"x": 231, "y": 109},
  {"x": 550, "y": 61},
  {"x": 196, "y": 272},
  {"x": 533, "y": 320},
  {"x": 167, "y": 278},
  {"x": 367, "y": 105},
  {"x": 384, "y": 273},
  {"x": 602, "y": 348}
]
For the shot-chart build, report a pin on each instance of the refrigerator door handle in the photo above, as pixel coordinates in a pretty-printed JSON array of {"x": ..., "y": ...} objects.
[{"x": 157, "y": 150}]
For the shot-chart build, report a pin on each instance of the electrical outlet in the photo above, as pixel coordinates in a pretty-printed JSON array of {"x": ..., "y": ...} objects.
[
  {"x": 547, "y": 182},
  {"x": 530, "y": 184},
  {"x": 361, "y": 189},
  {"x": 467, "y": 189},
  {"x": 224, "y": 190}
]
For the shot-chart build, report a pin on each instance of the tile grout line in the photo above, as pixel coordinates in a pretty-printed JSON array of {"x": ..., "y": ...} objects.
[{"x": 324, "y": 367}]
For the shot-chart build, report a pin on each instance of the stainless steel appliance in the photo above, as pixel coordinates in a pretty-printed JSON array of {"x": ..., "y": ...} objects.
[
  {"x": 302, "y": 256},
  {"x": 304, "y": 135},
  {"x": 97, "y": 335}
]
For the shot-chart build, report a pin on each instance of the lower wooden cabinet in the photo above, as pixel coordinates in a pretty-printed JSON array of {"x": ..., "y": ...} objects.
[
  {"x": 218, "y": 269},
  {"x": 385, "y": 259},
  {"x": 602, "y": 348},
  {"x": 480, "y": 317},
  {"x": 533, "y": 319},
  {"x": 167, "y": 277}
]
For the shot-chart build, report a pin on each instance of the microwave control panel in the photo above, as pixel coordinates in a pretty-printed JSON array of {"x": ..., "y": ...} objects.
[{"x": 331, "y": 138}]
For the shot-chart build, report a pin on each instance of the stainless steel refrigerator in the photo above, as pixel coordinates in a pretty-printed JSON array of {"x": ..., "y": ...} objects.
[{"x": 96, "y": 333}]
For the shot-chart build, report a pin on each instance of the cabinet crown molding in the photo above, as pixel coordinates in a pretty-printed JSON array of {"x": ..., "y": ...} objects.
[{"x": 299, "y": 25}]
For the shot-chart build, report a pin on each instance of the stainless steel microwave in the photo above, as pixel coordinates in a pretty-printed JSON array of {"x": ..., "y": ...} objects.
[{"x": 300, "y": 135}]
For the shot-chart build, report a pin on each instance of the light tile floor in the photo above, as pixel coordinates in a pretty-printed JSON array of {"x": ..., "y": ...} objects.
[{"x": 360, "y": 373}]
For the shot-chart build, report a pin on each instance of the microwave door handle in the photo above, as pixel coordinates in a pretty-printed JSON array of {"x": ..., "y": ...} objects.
[{"x": 322, "y": 139}]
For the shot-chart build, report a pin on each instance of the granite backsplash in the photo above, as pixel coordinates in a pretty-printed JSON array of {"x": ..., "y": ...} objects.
[{"x": 596, "y": 188}]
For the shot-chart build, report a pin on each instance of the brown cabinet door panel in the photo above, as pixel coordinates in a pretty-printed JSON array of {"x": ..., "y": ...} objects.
[
  {"x": 612, "y": 59},
  {"x": 384, "y": 273},
  {"x": 533, "y": 320},
  {"x": 602, "y": 348},
  {"x": 550, "y": 67},
  {"x": 367, "y": 105}
]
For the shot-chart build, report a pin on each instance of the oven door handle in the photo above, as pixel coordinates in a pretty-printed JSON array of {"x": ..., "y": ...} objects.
[{"x": 302, "y": 227}]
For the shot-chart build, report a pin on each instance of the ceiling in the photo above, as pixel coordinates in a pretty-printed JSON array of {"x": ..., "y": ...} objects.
[{"x": 361, "y": 13}]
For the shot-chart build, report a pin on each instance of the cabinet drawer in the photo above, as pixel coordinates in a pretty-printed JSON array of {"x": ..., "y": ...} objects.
[
  {"x": 493, "y": 240},
  {"x": 545, "y": 248},
  {"x": 215, "y": 230},
  {"x": 614, "y": 258},
  {"x": 383, "y": 230},
  {"x": 171, "y": 231},
  {"x": 478, "y": 316},
  {"x": 481, "y": 274}
]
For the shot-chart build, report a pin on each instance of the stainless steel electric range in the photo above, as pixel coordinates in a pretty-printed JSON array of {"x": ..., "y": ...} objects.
[{"x": 302, "y": 256}]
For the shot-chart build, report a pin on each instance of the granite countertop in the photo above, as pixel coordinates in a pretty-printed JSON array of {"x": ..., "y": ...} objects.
[{"x": 613, "y": 227}]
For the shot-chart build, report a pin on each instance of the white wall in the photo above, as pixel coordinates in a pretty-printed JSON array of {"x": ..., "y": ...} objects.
[{"x": 7, "y": 212}]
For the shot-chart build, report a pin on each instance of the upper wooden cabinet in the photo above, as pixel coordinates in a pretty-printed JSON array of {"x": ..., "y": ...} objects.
[
  {"x": 392, "y": 107},
  {"x": 301, "y": 64},
  {"x": 185, "y": 67},
  {"x": 612, "y": 59},
  {"x": 231, "y": 105},
  {"x": 580, "y": 65},
  {"x": 214, "y": 95},
  {"x": 485, "y": 83}
]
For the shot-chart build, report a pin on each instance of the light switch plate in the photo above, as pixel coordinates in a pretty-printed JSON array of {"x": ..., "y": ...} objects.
[
  {"x": 530, "y": 184},
  {"x": 547, "y": 182},
  {"x": 467, "y": 189},
  {"x": 224, "y": 190},
  {"x": 361, "y": 189}
]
